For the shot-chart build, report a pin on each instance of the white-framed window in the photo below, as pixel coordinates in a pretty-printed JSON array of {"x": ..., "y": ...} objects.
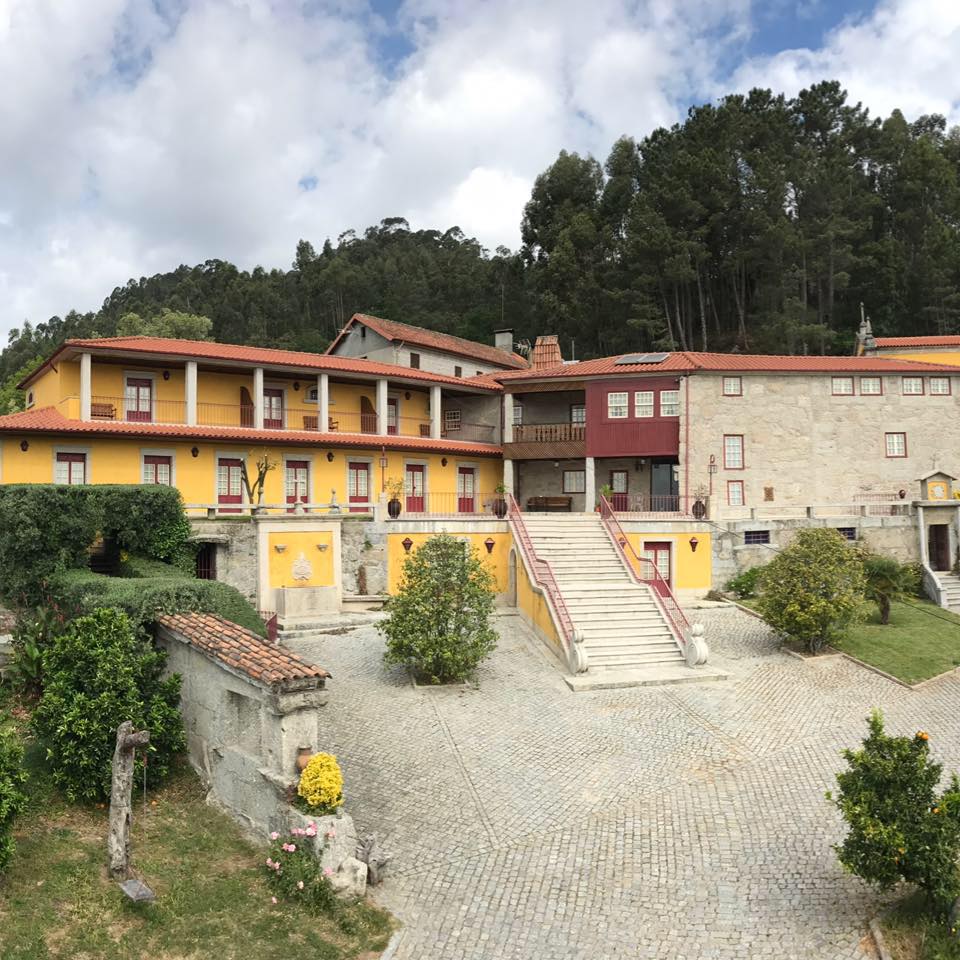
[
  {"x": 517, "y": 413},
  {"x": 451, "y": 420},
  {"x": 896, "y": 444},
  {"x": 574, "y": 481},
  {"x": 940, "y": 386},
  {"x": 157, "y": 468},
  {"x": 733, "y": 452},
  {"x": 871, "y": 386},
  {"x": 617, "y": 406},
  {"x": 842, "y": 386},
  {"x": 578, "y": 413},
  {"x": 912, "y": 386},
  {"x": 642, "y": 403},
  {"x": 669, "y": 403},
  {"x": 71, "y": 469},
  {"x": 732, "y": 387},
  {"x": 735, "y": 493}
]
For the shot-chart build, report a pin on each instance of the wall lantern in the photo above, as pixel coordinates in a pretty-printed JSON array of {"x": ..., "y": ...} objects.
[
  {"x": 194, "y": 452},
  {"x": 489, "y": 543},
  {"x": 693, "y": 544},
  {"x": 322, "y": 547},
  {"x": 901, "y": 493},
  {"x": 279, "y": 547},
  {"x": 623, "y": 541},
  {"x": 406, "y": 395},
  {"x": 407, "y": 543},
  {"x": 443, "y": 462},
  {"x": 556, "y": 463},
  {"x": 166, "y": 374},
  {"x": 383, "y": 463},
  {"x": 329, "y": 456},
  {"x": 24, "y": 445},
  {"x": 296, "y": 384},
  {"x": 712, "y": 465}
]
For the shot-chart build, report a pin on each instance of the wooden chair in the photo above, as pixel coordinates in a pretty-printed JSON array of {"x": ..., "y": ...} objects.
[{"x": 103, "y": 411}]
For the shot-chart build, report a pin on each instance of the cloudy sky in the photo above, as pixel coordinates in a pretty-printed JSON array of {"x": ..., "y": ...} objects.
[{"x": 136, "y": 135}]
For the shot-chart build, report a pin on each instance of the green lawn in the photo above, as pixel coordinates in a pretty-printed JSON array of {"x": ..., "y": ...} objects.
[
  {"x": 56, "y": 900},
  {"x": 911, "y": 934}
]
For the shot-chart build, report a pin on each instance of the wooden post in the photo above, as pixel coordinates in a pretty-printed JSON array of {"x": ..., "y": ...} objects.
[{"x": 121, "y": 793}]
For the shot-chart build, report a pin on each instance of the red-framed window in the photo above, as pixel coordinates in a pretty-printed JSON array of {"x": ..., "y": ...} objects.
[
  {"x": 620, "y": 485},
  {"x": 940, "y": 387},
  {"x": 358, "y": 485},
  {"x": 229, "y": 484},
  {"x": 392, "y": 418},
  {"x": 841, "y": 386},
  {"x": 273, "y": 409},
  {"x": 466, "y": 489},
  {"x": 911, "y": 386},
  {"x": 414, "y": 476},
  {"x": 158, "y": 469},
  {"x": 735, "y": 493},
  {"x": 71, "y": 469},
  {"x": 733, "y": 451},
  {"x": 895, "y": 444},
  {"x": 732, "y": 386},
  {"x": 139, "y": 399},
  {"x": 871, "y": 386},
  {"x": 297, "y": 481}
]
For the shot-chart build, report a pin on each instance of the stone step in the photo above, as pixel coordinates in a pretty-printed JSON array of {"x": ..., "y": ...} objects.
[
  {"x": 635, "y": 631},
  {"x": 621, "y": 609},
  {"x": 606, "y": 589},
  {"x": 616, "y": 638},
  {"x": 661, "y": 641},
  {"x": 599, "y": 661}
]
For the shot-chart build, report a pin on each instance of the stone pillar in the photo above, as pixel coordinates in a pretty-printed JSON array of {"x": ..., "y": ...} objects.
[
  {"x": 382, "y": 407},
  {"x": 924, "y": 559},
  {"x": 508, "y": 476},
  {"x": 86, "y": 390},
  {"x": 323, "y": 402},
  {"x": 590, "y": 487},
  {"x": 508, "y": 418},
  {"x": 258, "y": 398},
  {"x": 435, "y": 412},
  {"x": 191, "y": 393}
]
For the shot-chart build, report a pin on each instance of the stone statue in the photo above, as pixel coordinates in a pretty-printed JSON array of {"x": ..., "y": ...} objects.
[{"x": 372, "y": 854}]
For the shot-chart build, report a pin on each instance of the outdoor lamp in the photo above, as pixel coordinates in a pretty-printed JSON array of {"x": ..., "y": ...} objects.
[
  {"x": 194, "y": 452},
  {"x": 489, "y": 543},
  {"x": 24, "y": 445},
  {"x": 693, "y": 544},
  {"x": 407, "y": 543},
  {"x": 329, "y": 456}
]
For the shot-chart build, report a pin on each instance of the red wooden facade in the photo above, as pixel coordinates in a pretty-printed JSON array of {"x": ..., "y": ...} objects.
[{"x": 655, "y": 436}]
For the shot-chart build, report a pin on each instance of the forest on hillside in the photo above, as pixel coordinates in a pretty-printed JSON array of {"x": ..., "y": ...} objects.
[{"x": 760, "y": 223}]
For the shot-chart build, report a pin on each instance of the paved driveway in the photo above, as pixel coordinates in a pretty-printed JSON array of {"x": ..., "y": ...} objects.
[{"x": 527, "y": 821}]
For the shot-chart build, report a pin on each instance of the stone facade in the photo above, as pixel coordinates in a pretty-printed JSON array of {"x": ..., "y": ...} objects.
[
  {"x": 236, "y": 551},
  {"x": 363, "y": 545},
  {"x": 804, "y": 446}
]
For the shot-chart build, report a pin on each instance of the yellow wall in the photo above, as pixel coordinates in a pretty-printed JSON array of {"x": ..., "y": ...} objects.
[
  {"x": 950, "y": 358},
  {"x": 534, "y": 605},
  {"x": 496, "y": 560},
  {"x": 294, "y": 546},
  {"x": 46, "y": 388},
  {"x": 691, "y": 570}
]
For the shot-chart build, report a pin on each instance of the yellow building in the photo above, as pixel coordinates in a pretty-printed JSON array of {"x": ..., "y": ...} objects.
[{"x": 193, "y": 414}]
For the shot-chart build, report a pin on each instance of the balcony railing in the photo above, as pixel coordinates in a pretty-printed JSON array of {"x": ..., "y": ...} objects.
[
  {"x": 644, "y": 505},
  {"x": 548, "y": 432},
  {"x": 430, "y": 505}
]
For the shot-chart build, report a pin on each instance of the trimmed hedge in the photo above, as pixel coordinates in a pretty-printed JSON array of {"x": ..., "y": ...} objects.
[
  {"x": 12, "y": 798},
  {"x": 46, "y": 529},
  {"x": 143, "y": 598}
]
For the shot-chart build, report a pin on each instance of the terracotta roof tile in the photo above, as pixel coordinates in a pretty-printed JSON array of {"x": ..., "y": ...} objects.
[
  {"x": 952, "y": 340},
  {"x": 266, "y": 356},
  {"x": 240, "y": 649},
  {"x": 50, "y": 420},
  {"x": 393, "y": 330}
]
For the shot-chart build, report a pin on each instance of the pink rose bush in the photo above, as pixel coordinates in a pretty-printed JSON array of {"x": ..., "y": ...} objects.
[{"x": 294, "y": 874}]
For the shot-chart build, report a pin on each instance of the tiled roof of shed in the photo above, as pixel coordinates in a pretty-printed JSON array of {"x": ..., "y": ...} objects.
[
  {"x": 394, "y": 330},
  {"x": 951, "y": 340},
  {"x": 270, "y": 664}
]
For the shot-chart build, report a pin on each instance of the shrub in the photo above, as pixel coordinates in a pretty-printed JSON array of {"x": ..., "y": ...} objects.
[
  {"x": 34, "y": 633},
  {"x": 813, "y": 589},
  {"x": 294, "y": 873},
  {"x": 439, "y": 621},
  {"x": 744, "y": 585},
  {"x": 899, "y": 827},
  {"x": 82, "y": 591},
  {"x": 12, "y": 798},
  {"x": 887, "y": 580},
  {"x": 96, "y": 675},
  {"x": 321, "y": 784}
]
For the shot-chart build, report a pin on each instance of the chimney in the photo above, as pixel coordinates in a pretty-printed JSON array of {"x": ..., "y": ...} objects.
[
  {"x": 503, "y": 340},
  {"x": 546, "y": 352}
]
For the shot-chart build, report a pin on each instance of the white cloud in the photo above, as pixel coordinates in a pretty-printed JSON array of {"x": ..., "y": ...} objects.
[{"x": 137, "y": 136}]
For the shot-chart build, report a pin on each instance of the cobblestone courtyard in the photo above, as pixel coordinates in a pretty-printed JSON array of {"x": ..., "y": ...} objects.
[{"x": 527, "y": 821}]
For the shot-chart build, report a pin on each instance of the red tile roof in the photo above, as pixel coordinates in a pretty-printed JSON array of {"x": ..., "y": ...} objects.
[
  {"x": 546, "y": 352},
  {"x": 260, "y": 356},
  {"x": 393, "y": 330},
  {"x": 51, "y": 420},
  {"x": 693, "y": 362},
  {"x": 270, "y": 664},
  {"x": 952, "y": 340}
]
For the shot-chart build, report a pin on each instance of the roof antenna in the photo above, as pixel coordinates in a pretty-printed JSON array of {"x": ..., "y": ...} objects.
[{"x": 573, "y": 349}]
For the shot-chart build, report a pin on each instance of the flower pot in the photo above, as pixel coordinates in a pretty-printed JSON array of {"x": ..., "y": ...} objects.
[
  {"x": 303, "y": 758},
  {"x": 393, "y": 508},
  {"x": 500, "y": 508},
  {"x": 699, "y": 509}
]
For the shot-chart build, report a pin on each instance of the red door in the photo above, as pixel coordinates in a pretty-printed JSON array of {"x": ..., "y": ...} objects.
[
  {"x": 229, "y": 485},
  {"x": 466, "y": 489},
  {"x": 273, "y": 409},
  {"x": 392, "y": 420},
  {"x": 297, "y": 480},
  {"x": 620, "y": 499},
  {"x": 659, "y": 555},
  {"x": 139, "y": 399},
  {"x": 414, "y": 487},
  {"x": 358, "y": 486}
]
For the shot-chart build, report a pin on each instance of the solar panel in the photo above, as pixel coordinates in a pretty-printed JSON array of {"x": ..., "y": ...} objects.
[{"x": 632, "y": 359}]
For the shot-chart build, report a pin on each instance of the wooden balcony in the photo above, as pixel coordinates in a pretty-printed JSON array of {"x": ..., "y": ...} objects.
[{"x": 547, "y": 441}]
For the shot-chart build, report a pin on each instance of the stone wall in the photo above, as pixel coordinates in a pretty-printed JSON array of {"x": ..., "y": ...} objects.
[
  {"x": 236, "y": 546},
  {"x": 363, "y": 552}
]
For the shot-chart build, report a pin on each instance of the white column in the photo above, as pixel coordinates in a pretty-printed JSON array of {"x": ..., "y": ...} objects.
[
  {"x": 86, "y": 390},
  {"x": 191, "y": 393},
  {"x": 590, "y": 497},
  {"x": 258, "y": 398},
  {"x": 382, "y": 407},
  {"x": 435, "y": 416},
  {"x": 508, "y": 418},
  {"x": 508, "y": 475},
  {"x": 323, "y": 402}
]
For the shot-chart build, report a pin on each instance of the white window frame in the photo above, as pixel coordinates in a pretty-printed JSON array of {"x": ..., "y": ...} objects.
[
  {"x": 736, "y": 485},
  {"x": 670, "y": 408},
  {"x": 580, "y": 485},
  {"x": 643, "y": 404},
  {"x": 219, "y": 455},
  {"x": 87, "y": 464},
  {"x": 727, "y": 460},
  {"x": 911, "y": 393},
  {"x": 452, "y": 420},
  {"x": 841, "y": 386},
  {"x": 940, "y": 393},
  {"x": 158, "y": 452},
  {"x": 622, "y": 404},
  {"x": 311, "y": 472},
  {"x": 871, "y": 393},
  {"x": 887, "y": 437},
  {"x": 517, "y": 413},
  {"x": 733, "y": 386},
  {"x": 578, "y": 421}
]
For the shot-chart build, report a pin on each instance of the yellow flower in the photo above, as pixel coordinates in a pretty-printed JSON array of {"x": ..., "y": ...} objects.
[
  {"x": 923, "y": 735},
  {"x": 321, "y": 783}
]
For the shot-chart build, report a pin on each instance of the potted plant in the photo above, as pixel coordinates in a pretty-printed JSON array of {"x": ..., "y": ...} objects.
[
  {"x": 500, "y": 502},
  {"x": 605, "y": 491},
  {"x": 395, "y": 489}
]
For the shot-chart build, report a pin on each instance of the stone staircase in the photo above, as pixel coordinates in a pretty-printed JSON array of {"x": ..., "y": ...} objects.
[
  {"x": 951, "y": 590},
  {"x": 620, "y": 620}
]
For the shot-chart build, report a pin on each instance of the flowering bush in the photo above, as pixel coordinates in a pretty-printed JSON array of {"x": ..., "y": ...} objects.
[
  {"x": 294, "y": 873},
  {"x": 900, "y": 828},
  {"x": 321, "y": 783}
]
